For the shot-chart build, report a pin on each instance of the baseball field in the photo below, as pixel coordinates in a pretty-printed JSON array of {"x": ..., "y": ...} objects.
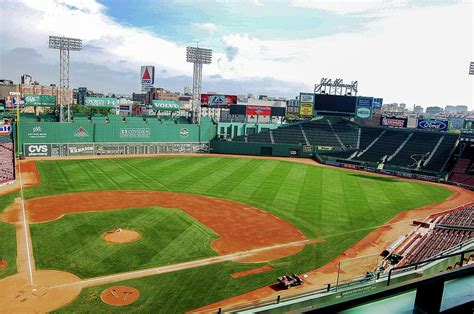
[{"x": 185, "y": 231}]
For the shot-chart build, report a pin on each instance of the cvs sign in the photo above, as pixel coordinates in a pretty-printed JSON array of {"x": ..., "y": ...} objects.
[{"x": 37, "y": 150}]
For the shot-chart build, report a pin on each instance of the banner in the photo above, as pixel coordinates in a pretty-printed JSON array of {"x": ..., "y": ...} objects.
[
  {"x": 218, "y": 101},
  {"x": 365, "y": 101},
  {"x": 325, "y": 148},
  {"x": 135, "y": 133},
  {"x": 306, "y": 109},
  {"x": 377, "y": 102},
  {"x": 437, "y": 125},
  {"x": 100, "y": 102},
  {"x": 37, "y": 150},
  {"x": 165, "y": 105},
  {"x": 306, "y": 98},
  {"x": 147, "y": 77},
  {"x": 253, "y": 110},
  {"x": 364, "y": 112},
  {"x": 40, "y": 100},
  {"x": 5, "y": 129},
  {"x": 394, "y": 122}
]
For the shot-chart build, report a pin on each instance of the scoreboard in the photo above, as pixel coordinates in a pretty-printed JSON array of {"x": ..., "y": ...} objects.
[{"x": 335, "y": 105}]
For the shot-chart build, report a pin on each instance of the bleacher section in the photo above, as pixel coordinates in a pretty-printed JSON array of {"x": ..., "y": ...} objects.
[
  {"x": 7, "y": 166},
  {"x": 386, "y": 145},
  {"x": 410, "y": 149},
  {"x": 450, "y": 230},
  {"x": 463, "y": 170}
]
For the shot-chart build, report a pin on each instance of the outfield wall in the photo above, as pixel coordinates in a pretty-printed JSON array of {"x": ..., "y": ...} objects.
[
  {"x": 69, "y": 139},
  {"x": 261, "y": 149}
]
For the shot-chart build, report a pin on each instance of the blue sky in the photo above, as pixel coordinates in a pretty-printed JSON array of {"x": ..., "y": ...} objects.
[
  {"x": 415, "y": 52},
  {"x": 175, "y": 20}
]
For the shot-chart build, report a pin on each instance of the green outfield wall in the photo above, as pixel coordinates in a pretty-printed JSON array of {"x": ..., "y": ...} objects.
[
  {"x": 61, "y": 139},
  {"x": 261, "y": 149}
]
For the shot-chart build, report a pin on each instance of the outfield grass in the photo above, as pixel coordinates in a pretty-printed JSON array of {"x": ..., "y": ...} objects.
[
  {"x": 168, "y": 236},
  {"x": 8, "y": 248},
  {"x": 321, "y": 202}
]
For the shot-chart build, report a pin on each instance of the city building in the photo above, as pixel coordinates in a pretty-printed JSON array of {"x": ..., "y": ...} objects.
[{"x": 433, "y": 110}]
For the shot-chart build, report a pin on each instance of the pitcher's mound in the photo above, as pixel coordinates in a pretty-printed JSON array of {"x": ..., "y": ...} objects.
[
  {"x": 120, "y": 295},
  {"x": 119, "y": 235},
  {"x": 3, "y": 264}
]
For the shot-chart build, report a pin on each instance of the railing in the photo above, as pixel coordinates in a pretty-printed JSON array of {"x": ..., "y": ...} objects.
[{"x": 361, "y": 282}]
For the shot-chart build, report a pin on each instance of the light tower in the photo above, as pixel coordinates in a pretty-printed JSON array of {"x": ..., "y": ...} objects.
[
  {"x": 64, "y": 44},
  {"x": 197, "y": 56}
]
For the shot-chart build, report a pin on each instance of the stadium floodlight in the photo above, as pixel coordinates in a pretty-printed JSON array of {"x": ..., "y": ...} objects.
[
  {"x": 197, "y": 56},
  {"x": 64, "y": 45},
  {"x": 471, "y": 68}
]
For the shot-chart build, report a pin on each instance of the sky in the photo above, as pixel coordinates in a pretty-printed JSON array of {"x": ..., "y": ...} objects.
[{"x": 413, "y": 52}]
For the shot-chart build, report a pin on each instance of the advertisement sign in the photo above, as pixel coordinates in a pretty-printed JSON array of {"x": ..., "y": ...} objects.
[
  {"x": 306, "y": 109},
  {"x": 37, "y": 132},
  {"x": 254, "y": 110},
  {"x": 147, "y": 77},
  {"x": 456, "y": 123},
  {"x": 436, "y": 125},
  {"x": 218, "y": 101},
  {"x": 325, "y": 148},
  {"x": 377, "y": 102},
  {"x": 306, "y": 97},
  {"x": 394, "y": 122},
  {"x": 364, "y": 112},
  {"x": 365, "y": 101},
  {"x": 40, "y": 100},
  {"x": 135, "y": 133},
  {"x": 100, "y": 102},
  {"x": 37, "y": 150},
  {"x": 80, "y": 149},
  {"x": 165, "y": 105},
  {"x": 5, "y": 129}
]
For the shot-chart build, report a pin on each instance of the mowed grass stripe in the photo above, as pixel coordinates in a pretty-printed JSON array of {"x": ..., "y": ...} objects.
[{"x": 168, "y": 236}]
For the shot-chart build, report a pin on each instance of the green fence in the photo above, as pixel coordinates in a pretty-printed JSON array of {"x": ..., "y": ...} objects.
[
  {"x": 42, "y": 135},
  {"x": 261, "y": 149}
]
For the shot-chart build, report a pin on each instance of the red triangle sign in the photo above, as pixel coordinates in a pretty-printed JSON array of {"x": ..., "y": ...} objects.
[{"x": 146, "y": 75}]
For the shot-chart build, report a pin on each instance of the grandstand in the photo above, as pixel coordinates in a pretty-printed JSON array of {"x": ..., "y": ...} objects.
[
  {"x": 463, "y": 169},
  {"x": 345, "y": 140},
  {"x": 445, "y": 232},
  {"x": 7, "y": 163}
]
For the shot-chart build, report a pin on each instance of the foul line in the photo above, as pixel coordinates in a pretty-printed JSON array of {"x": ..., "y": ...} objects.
[{"x": 25, "y": 227}]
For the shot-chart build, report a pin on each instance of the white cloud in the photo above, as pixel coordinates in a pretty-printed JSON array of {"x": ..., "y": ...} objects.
[
  {"x": 416, "y": 55},
  {"x": 210, "y": 27},
  {"x": 258, "y": 3},
  {"x": 350, "y": 6},
  {"x": 412, "y": 55}
]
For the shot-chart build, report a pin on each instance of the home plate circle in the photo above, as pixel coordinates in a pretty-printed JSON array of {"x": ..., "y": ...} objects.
[{"x": 119, "y": 295}]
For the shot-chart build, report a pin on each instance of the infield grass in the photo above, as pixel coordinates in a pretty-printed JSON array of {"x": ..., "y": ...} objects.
[
  {"x": 8, "y": 248},
  {"x": 166, "y": 238},
  {"x": 340, "y": 206}
]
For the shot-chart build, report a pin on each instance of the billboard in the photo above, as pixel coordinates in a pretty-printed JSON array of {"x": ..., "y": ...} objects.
[
  {"x": 40, "y": 100},
  {"x": 364, "y": 101},
  {"x": 165, "y": 105},
  {"x": 100, "y": 102},
  {"x": 37, "y": 150},
  {"x": 364, "y": 112},
  {"x": 341, "y": 105},
  {"x": 218, "y": 101},
  {"x": 437, "y": 125},
  {"x": 147, "y": 77},
  {"x": 253, "y": 110},
  {"x": 5, "y": 129},
  {"x": 306, "y": 109},
  {"x": 377, "y": 102},
  {"x": 394, "y": 122},
  {"x": 306, "y": 98}
]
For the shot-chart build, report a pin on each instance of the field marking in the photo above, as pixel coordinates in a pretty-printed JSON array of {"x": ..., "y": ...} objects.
[{"x": 25, "y": 227}]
